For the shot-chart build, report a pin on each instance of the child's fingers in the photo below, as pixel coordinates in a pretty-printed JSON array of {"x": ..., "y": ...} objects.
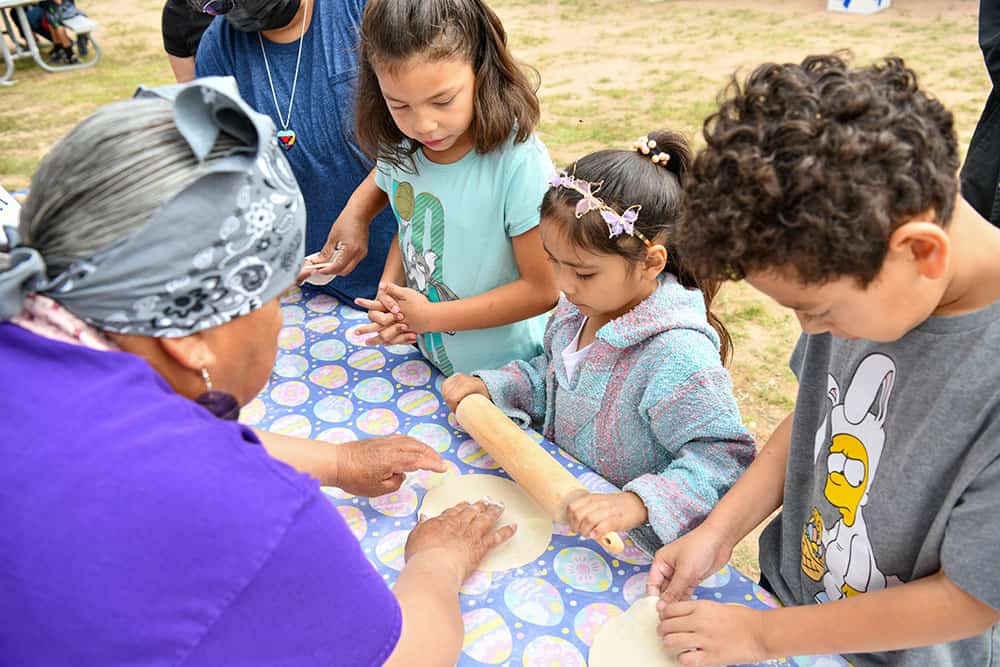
[
  {"x": 406, "y": 339},
  {"x": 676, "y": 616},
  {"x": 586, "y": 520},
  {"x": 388, "y": 301},
  {"x": 372, "y": 327},
  {"x": 659, "y": 572},
  {"x": 370, "y": 304},
  {"x": 676, "y": 642},
  {"x": 374, "y": 340},
  {"x": 603, "y": 526},
  {"x": 381, "y": 319},
  {"x": 395, "y": 291},
  {"x": 680, "y": 584},
  {"x": 391, "y": 333}
]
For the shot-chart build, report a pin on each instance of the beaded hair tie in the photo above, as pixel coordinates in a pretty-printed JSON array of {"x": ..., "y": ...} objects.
[
  {"x": 618, "y": 223},
  {"x": 645, "y": 145}
]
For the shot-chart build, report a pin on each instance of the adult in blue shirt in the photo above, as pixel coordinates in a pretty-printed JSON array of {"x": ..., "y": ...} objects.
[{"x": 296, "y": 61}]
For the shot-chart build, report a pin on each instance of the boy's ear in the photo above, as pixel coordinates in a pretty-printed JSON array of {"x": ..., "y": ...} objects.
[
  {"x": 656, "y": 260},
  {"x": 926, "y": 244}
]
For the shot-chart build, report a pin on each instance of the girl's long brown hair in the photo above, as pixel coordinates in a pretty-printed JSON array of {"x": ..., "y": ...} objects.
[{"x": 393, "y": 31}]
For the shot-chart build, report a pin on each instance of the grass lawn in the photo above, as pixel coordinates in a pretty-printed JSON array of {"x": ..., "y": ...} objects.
[{"x": 610, "y": 71}]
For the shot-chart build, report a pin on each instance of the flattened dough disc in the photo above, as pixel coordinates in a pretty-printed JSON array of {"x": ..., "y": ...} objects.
[
  {"x": 534, "y": 527},
  {"x": 631, "y": 639}
]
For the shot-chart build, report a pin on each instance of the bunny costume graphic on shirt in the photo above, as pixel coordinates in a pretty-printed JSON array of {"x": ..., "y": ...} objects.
[
  {"x": 421, "y": 237},
  {"x": 854, "y": 437}
]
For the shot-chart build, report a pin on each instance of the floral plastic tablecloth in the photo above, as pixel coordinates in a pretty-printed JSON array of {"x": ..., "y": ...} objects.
[{"x": 328, "y": 385}]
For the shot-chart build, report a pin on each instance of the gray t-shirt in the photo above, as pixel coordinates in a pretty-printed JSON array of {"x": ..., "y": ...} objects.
[{"x": 894, "y": 473}]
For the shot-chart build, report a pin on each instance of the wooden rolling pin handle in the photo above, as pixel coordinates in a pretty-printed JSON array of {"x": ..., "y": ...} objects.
[
  {"x": 533, "y": 468},
  {"x": 612, "y": 542}
]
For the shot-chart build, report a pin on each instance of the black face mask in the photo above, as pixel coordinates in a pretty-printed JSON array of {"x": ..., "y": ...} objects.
[{"x": 258, "y": 15}]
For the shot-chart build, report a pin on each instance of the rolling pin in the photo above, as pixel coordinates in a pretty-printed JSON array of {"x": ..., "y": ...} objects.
[{"x": 552, "y": 486}]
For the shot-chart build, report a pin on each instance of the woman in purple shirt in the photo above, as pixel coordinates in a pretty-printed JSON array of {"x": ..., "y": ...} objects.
[{"x": 138, "y": 310}]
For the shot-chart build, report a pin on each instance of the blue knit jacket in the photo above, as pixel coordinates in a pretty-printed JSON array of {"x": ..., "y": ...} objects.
[{"x": 650, "y": 407}]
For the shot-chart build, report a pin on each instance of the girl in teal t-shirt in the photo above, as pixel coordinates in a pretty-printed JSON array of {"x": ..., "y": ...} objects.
[{"x": 448, "y": 115}]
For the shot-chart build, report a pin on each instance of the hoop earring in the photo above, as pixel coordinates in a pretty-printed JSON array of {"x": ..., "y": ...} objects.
[{"x": 221, "y": 404}]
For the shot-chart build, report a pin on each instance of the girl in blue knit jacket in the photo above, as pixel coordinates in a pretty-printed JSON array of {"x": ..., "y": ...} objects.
[{"x": 631, "y": 381}]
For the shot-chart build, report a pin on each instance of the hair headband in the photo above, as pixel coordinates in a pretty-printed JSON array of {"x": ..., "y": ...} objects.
[
  {"x": 221, "y": 248},
  {"x": 618, "y": 223}
]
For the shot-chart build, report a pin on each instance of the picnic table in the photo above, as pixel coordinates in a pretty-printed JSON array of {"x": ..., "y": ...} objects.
[
  {"x": 328, "y": 385},
  {"x": 81, "y": 25}
]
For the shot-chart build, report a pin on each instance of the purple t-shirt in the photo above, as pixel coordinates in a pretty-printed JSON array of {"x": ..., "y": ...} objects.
[{"x": 136, "y": 528}]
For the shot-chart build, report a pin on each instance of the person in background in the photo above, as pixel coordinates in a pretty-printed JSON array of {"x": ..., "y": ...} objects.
[
  {"x": 981, "y": 171},
  {"x": 296, "y": 61},
  {"x": 141, "y": 523},
  {"x": 46, "y": 19},
  {"x": 182, "y": 29}
]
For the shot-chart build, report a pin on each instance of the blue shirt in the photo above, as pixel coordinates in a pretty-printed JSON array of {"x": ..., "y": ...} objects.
[
  {"x": 325, "y": 158},
  {"x": 456, "y": 222}
]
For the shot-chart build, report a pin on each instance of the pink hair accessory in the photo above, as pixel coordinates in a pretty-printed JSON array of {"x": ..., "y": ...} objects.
[
  {"x": 618, "y": 223},
  {"x": 646, "y": 146}
]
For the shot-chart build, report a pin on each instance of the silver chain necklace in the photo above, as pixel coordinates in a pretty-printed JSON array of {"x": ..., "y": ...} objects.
[{"x": 286, "y": 137}]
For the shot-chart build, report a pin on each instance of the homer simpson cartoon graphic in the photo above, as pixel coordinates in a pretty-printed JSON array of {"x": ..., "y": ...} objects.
[{"x": 841, "y": 556}]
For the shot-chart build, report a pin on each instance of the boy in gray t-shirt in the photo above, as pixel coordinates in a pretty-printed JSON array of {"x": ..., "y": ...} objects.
[{"x": 833, "y": 191}]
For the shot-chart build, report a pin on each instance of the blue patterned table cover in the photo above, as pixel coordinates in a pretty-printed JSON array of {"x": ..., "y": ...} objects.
[{"x": 329, "y": 386}]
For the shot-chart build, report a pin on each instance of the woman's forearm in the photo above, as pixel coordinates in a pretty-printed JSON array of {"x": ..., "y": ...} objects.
[
  {"x": 432, "y": 620},
  {"x": 312, "y": 457}
]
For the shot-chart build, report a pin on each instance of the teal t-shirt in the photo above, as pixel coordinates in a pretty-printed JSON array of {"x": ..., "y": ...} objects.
[{"x": 456, "y": 222}]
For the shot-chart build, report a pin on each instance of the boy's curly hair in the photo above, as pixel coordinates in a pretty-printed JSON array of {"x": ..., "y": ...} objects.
[{"x": 811, "y": 167}]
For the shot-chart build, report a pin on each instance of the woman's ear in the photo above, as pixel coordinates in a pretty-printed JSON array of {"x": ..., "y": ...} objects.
[
  {"x": 656, "y": 261},
  {"x": 191, "y": 352},
  {"x": 925, "y": 244}
]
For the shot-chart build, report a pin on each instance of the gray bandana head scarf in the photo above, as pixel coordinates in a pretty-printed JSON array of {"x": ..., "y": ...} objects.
[{"x": 221, "y": 248}]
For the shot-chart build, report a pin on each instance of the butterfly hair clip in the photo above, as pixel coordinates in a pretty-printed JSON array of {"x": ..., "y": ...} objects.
[{"x": 618, "y": 223}]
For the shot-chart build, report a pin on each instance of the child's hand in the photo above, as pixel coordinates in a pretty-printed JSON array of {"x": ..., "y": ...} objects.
[
  {"x": 415, "y": 308},
  {"x": 595, "y": 514},
  {"x": 389, "y": 328},
  {"x": 460, "y": 385},
  {"x": 686, "y": 562},
  {"x": 709, "y": 633}
]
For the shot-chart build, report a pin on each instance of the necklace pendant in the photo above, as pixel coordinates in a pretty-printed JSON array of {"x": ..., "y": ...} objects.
[{"x": 286, "y": 138}]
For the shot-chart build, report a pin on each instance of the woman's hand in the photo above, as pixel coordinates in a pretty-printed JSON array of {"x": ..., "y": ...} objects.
[
  {"x": 378, "y": 466},
  {"x": 460, "y": 385},
  {"x": 687, "y": 561},
  {"x": 595, "y": 514},
  {"x": 346, "y": 245},
  {"x": 460, "y": 537},
  {"x": 709, "y": 633}
]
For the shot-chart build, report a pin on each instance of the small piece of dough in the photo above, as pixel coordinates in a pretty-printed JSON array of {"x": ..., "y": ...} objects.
[
  {"x": 534, "y": 527},
  {"x": 631, "y": 639},
  {"x": 317, "y": 278}
]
